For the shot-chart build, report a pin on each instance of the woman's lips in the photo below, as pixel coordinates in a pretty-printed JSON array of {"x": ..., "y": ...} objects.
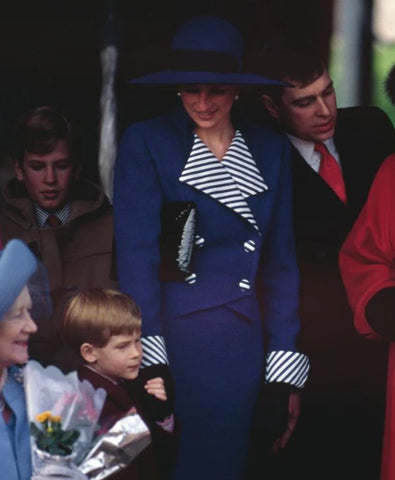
[{"x": 205, "y": 116}]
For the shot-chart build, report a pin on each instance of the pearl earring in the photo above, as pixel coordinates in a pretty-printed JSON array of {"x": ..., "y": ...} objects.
[
  {"x": 236, "y": 97},
  {"x": 178, "y": 94}
]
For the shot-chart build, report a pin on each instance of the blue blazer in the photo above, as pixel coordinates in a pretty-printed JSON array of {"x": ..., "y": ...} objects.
[
  {"x": 151, "y": 158},
  {"x": 15, "y": 448}
]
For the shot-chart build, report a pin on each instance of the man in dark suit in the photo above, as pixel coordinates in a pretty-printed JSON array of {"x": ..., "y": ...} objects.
[{"x": 341, "y": 425}]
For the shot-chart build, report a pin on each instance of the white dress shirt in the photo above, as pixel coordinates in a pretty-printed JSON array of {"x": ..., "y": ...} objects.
[{"x": 313, "y": 158}]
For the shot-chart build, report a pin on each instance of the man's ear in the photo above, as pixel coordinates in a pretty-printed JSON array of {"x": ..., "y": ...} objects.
[
  {"x": 88, "y": 352},
  {"x": 18, "y": 170},
  {"x": 270, "y": 105}
]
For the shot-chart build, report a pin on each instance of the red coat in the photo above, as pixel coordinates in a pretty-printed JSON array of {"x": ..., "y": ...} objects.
[{"x": 367, "y": 263}]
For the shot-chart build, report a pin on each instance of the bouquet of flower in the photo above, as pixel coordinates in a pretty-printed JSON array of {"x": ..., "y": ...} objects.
[
  {"x": 63, "y": 413},
  {"x": 51, "y": 437}
]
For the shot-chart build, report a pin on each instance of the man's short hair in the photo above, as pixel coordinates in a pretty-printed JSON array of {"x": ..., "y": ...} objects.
[
  {"x": 39, "y": 130},
  {"x": 95, "y": 315},
  {"x": 299, "y": 63}
]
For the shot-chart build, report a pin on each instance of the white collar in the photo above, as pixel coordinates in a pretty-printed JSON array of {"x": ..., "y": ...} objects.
[{"x": 306, "y": 150}]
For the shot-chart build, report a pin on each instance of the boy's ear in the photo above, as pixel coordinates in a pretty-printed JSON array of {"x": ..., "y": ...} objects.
[
  {"x": 18, "y": 170},
  {"x": 270, "y": 105},
  {"x": 88, "y": 352}
]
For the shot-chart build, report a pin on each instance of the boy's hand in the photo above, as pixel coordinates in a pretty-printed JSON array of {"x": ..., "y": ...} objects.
[
  {"x": 156, "y": 387},
  {"x": 156, "y": 407}
]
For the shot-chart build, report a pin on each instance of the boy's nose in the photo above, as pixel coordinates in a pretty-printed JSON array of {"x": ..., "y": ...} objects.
[{"x": 50, "y": 175}]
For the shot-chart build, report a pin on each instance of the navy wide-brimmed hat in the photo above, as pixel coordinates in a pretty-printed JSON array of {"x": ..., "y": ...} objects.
[
  {"x": 17, "y": 265},
  {"x": 206, "y": 50}
]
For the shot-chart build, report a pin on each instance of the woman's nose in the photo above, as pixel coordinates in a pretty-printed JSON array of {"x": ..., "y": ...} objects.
[
  {"x": 203, "y": 100},
  {"x": 30, "y": 325}
]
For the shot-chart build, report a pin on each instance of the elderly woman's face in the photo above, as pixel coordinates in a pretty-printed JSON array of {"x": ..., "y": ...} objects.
[
  {"x": 208, "y": 105},
  {"x": 16, "y": 326}
]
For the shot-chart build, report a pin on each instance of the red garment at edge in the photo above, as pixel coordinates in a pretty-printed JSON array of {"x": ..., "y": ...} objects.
[{"x": 367, "y": 267}]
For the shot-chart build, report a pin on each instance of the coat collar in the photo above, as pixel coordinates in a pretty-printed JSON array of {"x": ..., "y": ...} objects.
[{"x": 217, "y": 172}]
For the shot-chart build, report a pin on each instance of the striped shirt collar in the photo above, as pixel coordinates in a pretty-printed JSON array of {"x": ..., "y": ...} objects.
[{"x": 62, "y": 213}]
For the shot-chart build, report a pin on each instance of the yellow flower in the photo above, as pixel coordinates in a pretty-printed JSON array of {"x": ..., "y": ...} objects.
[
  {"x": 56, "y": 418},
  {"x": 43, "y": 417}
]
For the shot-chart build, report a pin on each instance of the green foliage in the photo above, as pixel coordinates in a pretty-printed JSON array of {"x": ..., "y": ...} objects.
[
  {"x": 383, "y": 60},
  {"x": 52, "y": 438}
]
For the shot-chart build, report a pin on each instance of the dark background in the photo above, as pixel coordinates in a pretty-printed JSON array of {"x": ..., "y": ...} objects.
[{"x": 50, "y": 52}]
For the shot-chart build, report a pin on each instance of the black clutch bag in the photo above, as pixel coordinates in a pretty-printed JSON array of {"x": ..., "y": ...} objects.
[{"x": 177, "y": 240}]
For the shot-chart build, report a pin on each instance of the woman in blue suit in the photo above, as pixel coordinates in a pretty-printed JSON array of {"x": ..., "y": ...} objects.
[{"x": 233, "y": 319}]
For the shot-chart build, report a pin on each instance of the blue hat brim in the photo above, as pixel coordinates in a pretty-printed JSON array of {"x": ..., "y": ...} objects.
[
  {"x": 181, "y": 77},
  {"x": 17, "y": 265}
]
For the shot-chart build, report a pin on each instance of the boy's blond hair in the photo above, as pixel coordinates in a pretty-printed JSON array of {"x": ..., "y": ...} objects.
[{"x": 95, "y": 315}]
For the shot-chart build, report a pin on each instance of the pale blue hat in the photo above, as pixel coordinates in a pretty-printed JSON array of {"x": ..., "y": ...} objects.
[{"x": 17, "y": 266}]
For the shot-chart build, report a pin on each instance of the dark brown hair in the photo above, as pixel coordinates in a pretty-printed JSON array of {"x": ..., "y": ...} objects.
[
  {"x": 39, "y": 130},
  {"x": 290, "y": 63}
]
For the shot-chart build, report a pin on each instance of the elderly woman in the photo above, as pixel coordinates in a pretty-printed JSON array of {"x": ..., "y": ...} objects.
[
  {"x": 206, "y": 322},
  {"x": 17, "y": 265},
  {"x": 23, "y": 291}
]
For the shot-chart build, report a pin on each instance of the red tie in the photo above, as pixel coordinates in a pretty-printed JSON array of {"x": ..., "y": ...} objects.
[
  {"x": 53, "y": 220},
  {"x": 331, "y": 172}
]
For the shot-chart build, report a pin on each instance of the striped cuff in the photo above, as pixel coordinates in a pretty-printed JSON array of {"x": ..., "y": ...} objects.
[
  {"x": 154, "y": 351},
  {"x": 287, "y": 367}
]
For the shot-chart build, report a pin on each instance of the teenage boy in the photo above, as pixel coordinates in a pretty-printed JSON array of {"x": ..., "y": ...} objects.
[{"x": 66, "y": 222}]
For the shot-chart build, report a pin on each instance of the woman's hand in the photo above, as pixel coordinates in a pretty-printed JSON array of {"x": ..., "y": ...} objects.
[
  {"x": 294, "y": 407},
  {"x": 156, "y": 387}
]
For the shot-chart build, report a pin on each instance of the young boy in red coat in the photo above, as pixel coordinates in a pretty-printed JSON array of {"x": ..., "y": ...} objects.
[{"x": 104, "y": 327}]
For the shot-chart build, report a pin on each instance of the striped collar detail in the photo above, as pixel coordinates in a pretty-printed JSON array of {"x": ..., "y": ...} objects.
[
  {"x": 240, "y": 164},
  {"x": 42, "y": 215},
  {"x": 230, "y": 181}
]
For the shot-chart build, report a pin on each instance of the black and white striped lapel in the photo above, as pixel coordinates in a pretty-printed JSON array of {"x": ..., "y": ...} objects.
[{"x": 230, "y": 181}]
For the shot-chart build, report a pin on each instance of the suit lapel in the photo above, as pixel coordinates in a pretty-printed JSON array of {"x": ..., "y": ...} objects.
[{"x": 230, "y": 181}]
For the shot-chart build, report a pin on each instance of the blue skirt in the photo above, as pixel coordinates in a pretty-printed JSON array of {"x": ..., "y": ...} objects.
[{"x": 216, "y": 359}]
